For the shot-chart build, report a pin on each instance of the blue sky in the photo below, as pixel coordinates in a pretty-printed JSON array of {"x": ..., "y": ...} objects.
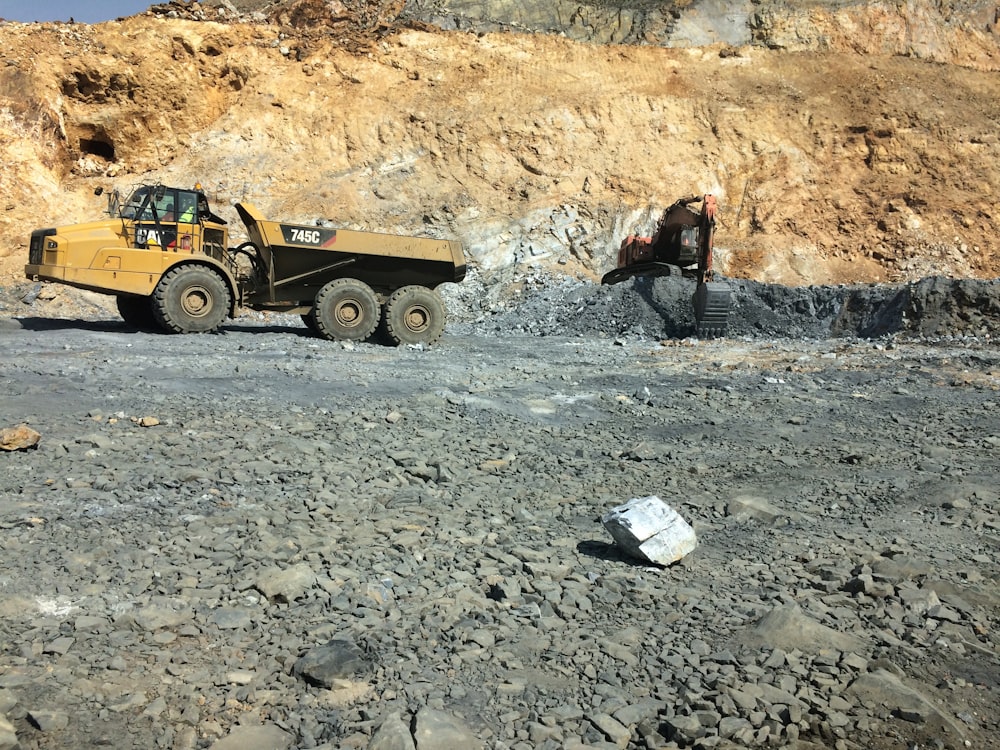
[{"x": 83, "y": 11}]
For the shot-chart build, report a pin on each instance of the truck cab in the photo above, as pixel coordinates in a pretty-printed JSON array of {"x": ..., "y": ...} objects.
[
  {"x": 173, "y": 219},
  {"x": 153, "y": 229}
]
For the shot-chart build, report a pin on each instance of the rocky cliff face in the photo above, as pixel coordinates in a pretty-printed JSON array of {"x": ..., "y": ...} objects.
[
  {"x": 844, "y": 142},
  {"x": 946, "y": 32}
]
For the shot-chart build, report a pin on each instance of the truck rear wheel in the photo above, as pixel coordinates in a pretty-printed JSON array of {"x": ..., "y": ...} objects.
[
  {"x": 191, "y": 299},
  {"x": 136, "y": 311},
  {"x": 414, "y": 315},
  {"x": 346, "y": 310}
]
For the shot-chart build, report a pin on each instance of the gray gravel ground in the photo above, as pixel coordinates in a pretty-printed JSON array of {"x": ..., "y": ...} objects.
[{"x": 260, "y": 539}]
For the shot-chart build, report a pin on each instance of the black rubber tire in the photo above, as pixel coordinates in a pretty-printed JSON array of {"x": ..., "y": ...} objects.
[
  {"x": 414, "y": 315},
  {"x": 309, "y": 321},
  {"x": 137, "y": 312},
  {"x": 191, "y": 299},
  {"x": 346, "y": 310}
]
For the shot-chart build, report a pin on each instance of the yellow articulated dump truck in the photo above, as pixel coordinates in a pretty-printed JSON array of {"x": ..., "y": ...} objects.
[{"x": 166, "y": 258}]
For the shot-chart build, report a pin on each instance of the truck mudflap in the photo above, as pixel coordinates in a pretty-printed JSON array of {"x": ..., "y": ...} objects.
[{"x": 711, "y": 301}]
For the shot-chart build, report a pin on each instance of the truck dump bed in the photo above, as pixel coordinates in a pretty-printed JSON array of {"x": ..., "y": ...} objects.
[{"x": 300, "y": 258}]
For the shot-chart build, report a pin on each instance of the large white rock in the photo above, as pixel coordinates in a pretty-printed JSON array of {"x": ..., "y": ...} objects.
[{"x": 649, "y": 529}]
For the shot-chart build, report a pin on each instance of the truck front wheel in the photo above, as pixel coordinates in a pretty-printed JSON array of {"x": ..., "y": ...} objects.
[
  {"x": 346, "y": 310},
  {"x": 310, "y": 321},
  {"x": 191, "y": 299},
  {"x": 414, "y": 315}
]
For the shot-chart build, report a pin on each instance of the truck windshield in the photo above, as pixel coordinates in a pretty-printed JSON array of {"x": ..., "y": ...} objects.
[
  {"x": 155, "y": 203},
  {"x": 160, "y": 203},
  {"x": 137, "y": 205}
]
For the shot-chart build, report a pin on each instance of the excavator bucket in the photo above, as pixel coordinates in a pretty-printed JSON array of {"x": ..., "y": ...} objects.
[{"x": 711, "y": 302}]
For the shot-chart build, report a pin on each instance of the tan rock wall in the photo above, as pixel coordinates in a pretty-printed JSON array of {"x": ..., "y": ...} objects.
[{"x": 829, "y": 165}]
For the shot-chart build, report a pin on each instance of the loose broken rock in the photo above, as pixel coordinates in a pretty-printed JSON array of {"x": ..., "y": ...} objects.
[
  {"x": 649, "y": 529},
  {"x": 881, "y": 688},
  {"x": 787, "y": 626}
]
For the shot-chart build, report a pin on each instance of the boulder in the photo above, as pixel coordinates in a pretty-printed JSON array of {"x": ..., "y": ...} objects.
[
  {"x": 649, "y": 529},
  {"x": 18, "y": 438}
]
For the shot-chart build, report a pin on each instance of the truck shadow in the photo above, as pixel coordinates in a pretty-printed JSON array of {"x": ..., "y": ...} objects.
[
  {"x": 120, "y": 326},
  {"x": 61, "y": 324},
  {"x": 300, "y": 331}
]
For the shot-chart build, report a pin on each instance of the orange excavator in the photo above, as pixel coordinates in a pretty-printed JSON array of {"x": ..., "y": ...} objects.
[{"x": 681, "y": 245}]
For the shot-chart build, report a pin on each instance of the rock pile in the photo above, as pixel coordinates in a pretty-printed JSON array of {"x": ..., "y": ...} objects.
[{"x": 660, "y": 308}]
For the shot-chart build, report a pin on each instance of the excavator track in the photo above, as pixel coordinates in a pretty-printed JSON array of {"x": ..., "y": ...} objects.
[{"x": 617, "y": 275}]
